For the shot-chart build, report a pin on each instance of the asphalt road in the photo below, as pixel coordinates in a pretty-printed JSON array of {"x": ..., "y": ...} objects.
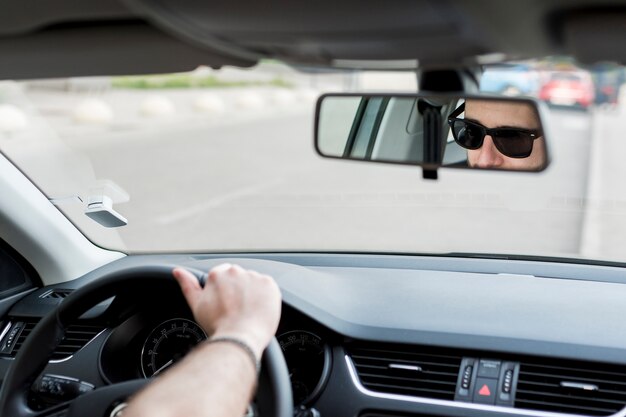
[
  {"x": 605, "y": 215},
  {"x": 257, "y": 183}
]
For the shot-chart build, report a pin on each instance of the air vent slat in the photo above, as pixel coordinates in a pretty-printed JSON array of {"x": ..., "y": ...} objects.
[
  {"x": 368, "y": 377},
  {"x": 406, "y": 358},
  {"x": 56, "y": 294},
  {"x": 73, "y": 340},
  {"x": 87, "y": 333},
  {"x": 568, "y": 399},
  {"x": 61, "y": 355},
  {"x": 560, "y": 378},
  {"x": 403, "y": 389},
  {"x": 76, "y": 337},
  {"x": 541, "y": 387},
  {"x": 435, "y": 374},
  {"x": 384, "y": 369},
  {"x": 553, "y": 388},
  {"x": 565, "y": 408},
  {"x": 600, "y": 370},
  {"x": 385, "y": 361},
  {"x": 426, "y": 370},
  {"x": 70, "y": 346},
  {"x": 28, "y": 327},
  {"x": 386, "y": 354},
  {"x": 426, "y": 385}
]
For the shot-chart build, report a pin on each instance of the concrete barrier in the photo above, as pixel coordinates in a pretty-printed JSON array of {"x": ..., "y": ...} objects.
[
  {"x": 12, "y": 119},
  {"x": 156, "y": 106},
  {"x": 249, "y": 101},
  {"x": 93, "y": 111},
  {"x": 282, "y": 97},
  {"x": 209, "y": 103},
  {"x": 307, "y": 94}
]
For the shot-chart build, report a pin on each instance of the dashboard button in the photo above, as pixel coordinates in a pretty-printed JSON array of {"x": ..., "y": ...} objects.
[
  {"x": 467, "y": 377},
  {"x": 485, "y": 391},
  {"x": 464, "y": 382},
  {"x": 507, "y": 382}
]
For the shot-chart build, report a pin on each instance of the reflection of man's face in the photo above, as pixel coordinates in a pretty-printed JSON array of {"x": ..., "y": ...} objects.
[{"x": 493, "y": 114}]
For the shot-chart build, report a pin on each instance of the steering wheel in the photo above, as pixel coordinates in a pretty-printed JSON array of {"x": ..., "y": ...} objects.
[{"x": 274, "y": 389}]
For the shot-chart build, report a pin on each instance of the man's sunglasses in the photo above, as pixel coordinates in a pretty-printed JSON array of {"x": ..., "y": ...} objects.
[{"x": 509, "y": 141}]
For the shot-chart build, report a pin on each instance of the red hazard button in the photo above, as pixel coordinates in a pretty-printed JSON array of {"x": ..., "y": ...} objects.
[{"x": 485, "y": 391}]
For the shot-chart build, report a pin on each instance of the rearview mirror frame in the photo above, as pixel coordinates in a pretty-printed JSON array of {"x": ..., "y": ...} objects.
[{"x": 434, "y": 146}]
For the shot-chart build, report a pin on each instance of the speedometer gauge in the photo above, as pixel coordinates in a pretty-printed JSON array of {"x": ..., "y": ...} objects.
[
  {"x": 308, "y": 361},
  {"x": 167, "y": 344}
]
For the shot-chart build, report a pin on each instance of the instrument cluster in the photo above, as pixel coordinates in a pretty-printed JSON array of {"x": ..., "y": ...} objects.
[{"x": 147, "y": 344}]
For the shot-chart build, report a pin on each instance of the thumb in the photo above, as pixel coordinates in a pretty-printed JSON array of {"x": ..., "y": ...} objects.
[{"x": 189, "y": 285}]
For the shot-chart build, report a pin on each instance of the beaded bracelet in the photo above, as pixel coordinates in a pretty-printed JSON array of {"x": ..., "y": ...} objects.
[{"x": 243, "y": 345}]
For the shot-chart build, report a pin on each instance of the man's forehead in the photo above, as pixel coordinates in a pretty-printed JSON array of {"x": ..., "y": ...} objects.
[{"x": 496, "y": 113}]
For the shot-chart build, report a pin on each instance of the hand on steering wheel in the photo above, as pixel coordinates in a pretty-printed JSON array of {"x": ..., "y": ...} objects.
[{"x": 274, "y": 386}]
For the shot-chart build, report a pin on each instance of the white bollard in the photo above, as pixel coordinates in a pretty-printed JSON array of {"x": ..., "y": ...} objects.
[
  {"x": 282, "y": 97},
  {"x": 249, "y": 101},
  {"x": 307, "y": 94},
  {"x": 209, "y": 103},
  {"x": 12, "y": 119},
  {"x": 93, "y": 111},
  {"x": 156, "y": 106}
]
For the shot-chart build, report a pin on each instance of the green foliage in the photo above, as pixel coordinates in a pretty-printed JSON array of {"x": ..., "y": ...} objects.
[{"x": 188, "y": 81}]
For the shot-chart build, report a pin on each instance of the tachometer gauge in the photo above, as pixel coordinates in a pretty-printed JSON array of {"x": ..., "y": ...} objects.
[
  {"x": 308, "y": 360},
  {"x": 167, "y": 343}
]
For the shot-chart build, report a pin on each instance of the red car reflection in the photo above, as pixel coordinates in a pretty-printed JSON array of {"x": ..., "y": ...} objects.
[{"x": 568, "y": 89}]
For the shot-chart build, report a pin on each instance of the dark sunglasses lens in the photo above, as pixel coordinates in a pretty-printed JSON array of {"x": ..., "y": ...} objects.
[
  {"x": 467, "y": 135},
  {"x": 513, "y": 143}
]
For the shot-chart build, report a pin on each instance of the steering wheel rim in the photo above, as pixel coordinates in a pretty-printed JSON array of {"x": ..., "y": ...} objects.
[{"x": 37, "y": 349}]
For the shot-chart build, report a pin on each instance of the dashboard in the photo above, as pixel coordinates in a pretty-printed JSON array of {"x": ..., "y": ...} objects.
[{"x": 388, "y": 336}]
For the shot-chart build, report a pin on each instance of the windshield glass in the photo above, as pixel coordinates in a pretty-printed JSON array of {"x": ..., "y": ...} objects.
[{"x": 223, "y": 160}]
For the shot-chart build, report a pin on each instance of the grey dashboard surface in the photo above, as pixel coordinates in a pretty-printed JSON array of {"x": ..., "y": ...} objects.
[
  {"x": 508, "y": 306},
  {"x": 479, "y": 304},
  {"x": 523, "y": 307}
]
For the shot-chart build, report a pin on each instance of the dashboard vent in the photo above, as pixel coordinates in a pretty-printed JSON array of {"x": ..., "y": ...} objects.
[
  {"x": 76, "y": 337},
  {"x": 59, "y": 294},
  {"x": 571, "y": 387},
  {"x": 407, "y": 370},
  {"x": 28, "y": 327}
]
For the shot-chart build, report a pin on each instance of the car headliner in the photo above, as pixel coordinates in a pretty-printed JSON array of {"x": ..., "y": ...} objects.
[{"x": 56, "y": 38}]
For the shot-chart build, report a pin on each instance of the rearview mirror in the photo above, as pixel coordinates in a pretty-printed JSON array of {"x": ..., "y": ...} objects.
[{"x": 433, "y": 131}]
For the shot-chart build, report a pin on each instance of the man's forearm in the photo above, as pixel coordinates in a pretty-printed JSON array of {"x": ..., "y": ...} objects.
[{"x": 214, "y": 380}]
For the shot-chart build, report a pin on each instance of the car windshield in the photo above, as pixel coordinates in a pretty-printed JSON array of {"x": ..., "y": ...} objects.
[{"x": 223, "y": 160}]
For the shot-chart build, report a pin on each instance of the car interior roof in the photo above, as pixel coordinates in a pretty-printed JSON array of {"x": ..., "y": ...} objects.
[{"x": 56, "y": 37}]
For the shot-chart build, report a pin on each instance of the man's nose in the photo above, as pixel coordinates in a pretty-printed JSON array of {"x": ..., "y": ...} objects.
[{"x": 489, "y": 156}]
